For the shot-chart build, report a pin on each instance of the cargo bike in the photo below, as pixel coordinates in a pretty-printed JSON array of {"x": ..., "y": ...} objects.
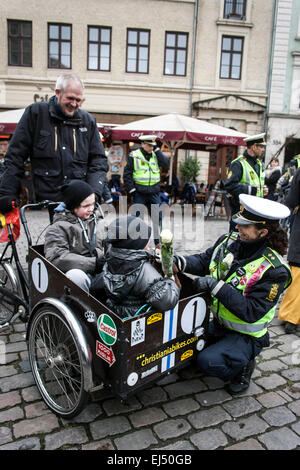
[{"x": 77, "y": 346}]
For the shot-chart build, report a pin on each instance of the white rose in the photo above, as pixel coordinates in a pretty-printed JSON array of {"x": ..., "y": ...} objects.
[
  {"x": 166, "y": 236},
  {"x": 228, "y": 259}
]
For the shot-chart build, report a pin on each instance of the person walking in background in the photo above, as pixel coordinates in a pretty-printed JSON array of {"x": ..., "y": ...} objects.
[
  {"x": 246, "y": 174},
  {"x": 272, "y": 175},
  {"x": 62, "y": 142},
  {"x": 142, "y": 176},
  {"x": 289, "y": 311}
]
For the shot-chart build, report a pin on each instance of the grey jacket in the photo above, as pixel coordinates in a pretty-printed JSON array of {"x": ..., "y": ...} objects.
[
  {"x": 66, "y": 245},
  {"x": 131, "y": 281}
]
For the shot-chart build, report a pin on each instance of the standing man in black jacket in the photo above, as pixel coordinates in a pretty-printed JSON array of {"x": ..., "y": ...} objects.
[
  {"x": 142, "y": 176},
  {"x": 62, "y": 142}
]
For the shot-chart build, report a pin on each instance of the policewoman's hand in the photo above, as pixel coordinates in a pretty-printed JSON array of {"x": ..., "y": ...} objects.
[{"x": 204, "y": 284}]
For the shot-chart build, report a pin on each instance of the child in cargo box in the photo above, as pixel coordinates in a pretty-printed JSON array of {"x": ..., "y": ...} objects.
[
  {"x": 73, "y": 243},
  {"x": 129, "y": 279}
]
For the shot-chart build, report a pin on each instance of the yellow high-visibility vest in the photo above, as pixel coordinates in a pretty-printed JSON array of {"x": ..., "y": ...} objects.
[{"x": 145, "y": 172}]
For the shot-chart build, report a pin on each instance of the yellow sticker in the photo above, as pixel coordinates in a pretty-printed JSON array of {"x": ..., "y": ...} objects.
[
  {"x": 154, "y": 318},
  {"x": 187, "y": 354}
]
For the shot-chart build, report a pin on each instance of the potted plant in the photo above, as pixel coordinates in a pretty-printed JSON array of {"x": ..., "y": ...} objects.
[{"x": 189, "y": 170}]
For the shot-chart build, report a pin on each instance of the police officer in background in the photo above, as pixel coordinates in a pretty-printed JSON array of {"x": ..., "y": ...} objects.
[
  {"x": 142, "y": 176},
  {"x": 246, "y": 173},
  {"x": 245, "y": 274}
]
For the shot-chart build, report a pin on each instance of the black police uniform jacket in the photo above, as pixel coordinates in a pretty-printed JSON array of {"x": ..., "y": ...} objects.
[
  {"x": 292, "y": 200},
  {"x": 257, "y": 302},
  {"x": 59, "y": 148},
  {"x": 233, "y": 185}
]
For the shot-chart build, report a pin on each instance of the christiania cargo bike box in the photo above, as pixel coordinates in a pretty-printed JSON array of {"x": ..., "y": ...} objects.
[{"x": 78, "y": 346}]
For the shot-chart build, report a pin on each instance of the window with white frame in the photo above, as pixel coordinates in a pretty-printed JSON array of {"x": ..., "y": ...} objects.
[
  {"x": 99, "y": 48},
  {"x": 138, "y": 45},
  {"x": 59, "y": 45},
  {"x": 175, "y": 53},
  {"x": 176, "y": 44}
]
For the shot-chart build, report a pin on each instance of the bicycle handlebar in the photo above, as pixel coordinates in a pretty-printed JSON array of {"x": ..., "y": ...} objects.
[{"x": 37, "y": 205}]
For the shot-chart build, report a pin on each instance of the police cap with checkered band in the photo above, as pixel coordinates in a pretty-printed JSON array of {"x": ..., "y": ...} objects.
[{"x": 258, "y": 210}]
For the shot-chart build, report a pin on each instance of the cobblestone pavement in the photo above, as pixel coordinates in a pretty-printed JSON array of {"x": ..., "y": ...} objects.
[{"x": 184, "y": 411}]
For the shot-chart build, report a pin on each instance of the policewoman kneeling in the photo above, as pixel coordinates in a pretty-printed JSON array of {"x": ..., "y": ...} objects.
[{"x": 245, "y": 273}]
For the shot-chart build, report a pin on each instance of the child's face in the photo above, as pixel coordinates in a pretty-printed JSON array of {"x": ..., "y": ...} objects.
[{"x": 86, "y": 207}]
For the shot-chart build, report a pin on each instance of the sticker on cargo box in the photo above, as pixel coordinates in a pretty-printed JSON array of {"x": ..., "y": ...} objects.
[
  {"x": 186, "y": 354},
  {"x": 107, "y": 329},
  {"x": 170, "y": 324},
  {"x": 168, "y": 362},
  {"x": 105, "y": 353},
  {"x": 193, "y": 314},
  {"x": 154, "y": 318},
  {"x": 132, "y": 379},
  {"x": 90, "y": 316},
  {"x": 138, "y": 331},
  {"x": 149, "y": 372},
  {"x": 39, "y": 275}
]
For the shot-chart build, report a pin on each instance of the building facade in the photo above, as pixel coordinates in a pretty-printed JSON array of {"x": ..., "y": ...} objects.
[
  {"x": 283, "y": 113},
  {"x": 209, "y": 59}
]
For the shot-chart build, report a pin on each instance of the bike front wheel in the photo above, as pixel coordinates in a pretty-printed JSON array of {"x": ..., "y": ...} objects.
[{"x": 56, "y": 362}]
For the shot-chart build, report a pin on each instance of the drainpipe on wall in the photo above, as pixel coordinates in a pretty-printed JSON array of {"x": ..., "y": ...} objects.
[
  {"x": 193, "y": 55},
  {"x": 275, "y": 13},
  {"x": 195, "y": 23}
]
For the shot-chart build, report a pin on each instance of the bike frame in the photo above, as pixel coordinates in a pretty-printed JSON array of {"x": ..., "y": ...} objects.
[{"x": 20, "y": 298}]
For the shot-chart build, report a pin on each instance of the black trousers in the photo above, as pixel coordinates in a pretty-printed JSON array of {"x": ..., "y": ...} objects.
[{"x": 227, "y": 352}]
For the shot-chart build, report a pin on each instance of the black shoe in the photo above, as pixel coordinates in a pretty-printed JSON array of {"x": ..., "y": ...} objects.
[
  {"x": 290, "y": 328},
  {"x": 241, "y": 381}
]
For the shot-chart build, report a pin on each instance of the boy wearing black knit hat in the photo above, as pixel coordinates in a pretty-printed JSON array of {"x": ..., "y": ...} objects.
[
  {"x": 130, "y": 281},
  {"x": 72, "y": 242}
]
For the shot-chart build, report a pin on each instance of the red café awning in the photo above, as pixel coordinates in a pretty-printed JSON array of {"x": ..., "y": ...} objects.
[
  {"x": 9, "y": 120},
  {"x": 177, "y": 128}
]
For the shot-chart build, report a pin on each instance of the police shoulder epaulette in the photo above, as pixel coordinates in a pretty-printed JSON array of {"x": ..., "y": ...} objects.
[
  {"x": 274, "y": 258},
  {"x": 234, "y": 235}
]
